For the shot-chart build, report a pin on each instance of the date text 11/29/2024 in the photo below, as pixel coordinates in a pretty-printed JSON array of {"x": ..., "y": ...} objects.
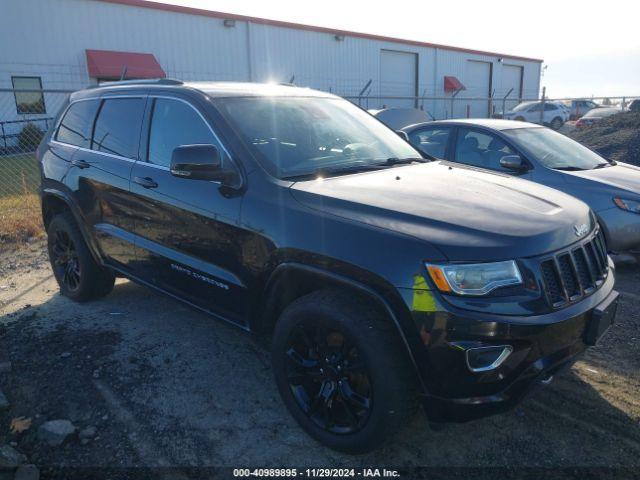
[{"x": 316, "y": 472}]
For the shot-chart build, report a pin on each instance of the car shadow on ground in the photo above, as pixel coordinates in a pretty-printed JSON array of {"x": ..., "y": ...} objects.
[{"x": 168, "y": 386}]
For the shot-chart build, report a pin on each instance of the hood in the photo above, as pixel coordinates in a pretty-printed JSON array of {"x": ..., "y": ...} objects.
[
  {"x": 621, "y": 176},
  {"x": 467, "y": 214}
]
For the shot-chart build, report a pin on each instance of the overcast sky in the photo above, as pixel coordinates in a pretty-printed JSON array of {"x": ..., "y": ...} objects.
[{"x": 589, "y": 47}]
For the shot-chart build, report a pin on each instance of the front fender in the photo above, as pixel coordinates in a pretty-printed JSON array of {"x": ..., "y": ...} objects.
[{"x": 288, "y": 278}]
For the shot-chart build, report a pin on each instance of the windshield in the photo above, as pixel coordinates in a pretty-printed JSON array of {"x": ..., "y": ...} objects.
[
  {"x": 295, "y": 136},
  {"x": 554, "y": 150},
  {"x": 522, "y": 106}
]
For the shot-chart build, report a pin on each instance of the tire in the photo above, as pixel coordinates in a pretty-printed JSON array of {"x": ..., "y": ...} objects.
[
  {"x": 365, "y": 375},
  {"x": 556, "y": 123},
  {"x": 79, "y": 276}
]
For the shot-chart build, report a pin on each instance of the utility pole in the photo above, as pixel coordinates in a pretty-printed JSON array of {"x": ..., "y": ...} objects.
[{"x": 544, "y": 94}]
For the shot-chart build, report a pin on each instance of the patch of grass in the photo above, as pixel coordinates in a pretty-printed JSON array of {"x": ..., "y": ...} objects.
[
  {"x": 20, "y": 218},
  {"x": 19, "y": 174}
]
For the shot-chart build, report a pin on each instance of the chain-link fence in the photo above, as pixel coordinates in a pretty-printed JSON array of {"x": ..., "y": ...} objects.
[
  {"x": 25, "y": 116},
  {"x": 454, "y": 106}
]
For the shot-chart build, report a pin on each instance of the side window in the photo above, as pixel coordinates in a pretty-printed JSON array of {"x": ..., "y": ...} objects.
[
  {"x": 432, "y": 141},
  {"x": 75, "y": 127},
  {"x": 536, "y": 108},
  {"x": 118, "y": 125},
  {"x": 548, "y": 107},
  {"x": 480, "y": 149},
  {"x": 175, "y": 123}
]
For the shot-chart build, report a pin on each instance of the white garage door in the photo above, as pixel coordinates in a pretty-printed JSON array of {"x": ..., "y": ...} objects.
[
  {"x": 478, "y": 83},
  {"x": 398, "y": 75},
  {"x": 511, "y": 80}
]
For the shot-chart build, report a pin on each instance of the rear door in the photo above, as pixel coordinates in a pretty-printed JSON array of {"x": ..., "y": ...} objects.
[
  {"x": 188, "y": 240},
  {"x": 551, "y": 111},
  {"x": 101, "y": 168},
  {"x": 532, "y": 114},
  {"x": 433, "y": 140}
]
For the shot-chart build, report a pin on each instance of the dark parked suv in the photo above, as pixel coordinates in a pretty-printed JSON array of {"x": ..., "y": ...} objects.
[{"x": 384, "y": 280}]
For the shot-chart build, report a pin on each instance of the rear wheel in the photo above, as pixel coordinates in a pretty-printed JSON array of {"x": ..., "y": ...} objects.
[
  {"x": 556, "y": 123},
  {"x": 77, "y": 273},
  {"x": 342, "y": 372}
]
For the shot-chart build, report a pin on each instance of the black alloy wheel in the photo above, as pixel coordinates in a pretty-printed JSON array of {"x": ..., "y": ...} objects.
[
  {"x": 328, "y": 378},
  {"x": 64, "y": 258},
  {"x": 76, "y": 271}
]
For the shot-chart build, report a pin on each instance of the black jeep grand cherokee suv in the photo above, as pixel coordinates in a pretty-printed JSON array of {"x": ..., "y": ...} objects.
[{"x": 384, "y": 279}]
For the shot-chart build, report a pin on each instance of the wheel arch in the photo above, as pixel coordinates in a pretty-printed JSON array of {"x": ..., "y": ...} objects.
[
  {"x": 54, "y": 202},
  {"x": 291, "y": 280}
]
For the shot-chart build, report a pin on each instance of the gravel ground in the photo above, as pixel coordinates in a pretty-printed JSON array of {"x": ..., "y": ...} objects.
[
  {"x": 167, "y": 386},
  {"x": 616, "y": 137}
]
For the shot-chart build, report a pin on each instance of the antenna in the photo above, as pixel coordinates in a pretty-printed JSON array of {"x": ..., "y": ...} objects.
[{"x": 124, "y": 72}]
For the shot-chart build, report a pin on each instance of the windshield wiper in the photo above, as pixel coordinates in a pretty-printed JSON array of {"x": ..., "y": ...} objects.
[
  {"x": 569, "y": 168},
  {"x": 402, "y": 161},
  {"x": 338, "y": 170},
  {"x": 602, "y": 165}
]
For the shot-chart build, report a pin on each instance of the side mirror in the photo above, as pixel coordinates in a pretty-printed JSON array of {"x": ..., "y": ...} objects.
[
  {"x": 403, "y": 135},
  {"x": 199, "y": 162},
  {"x": 513, "y": 162}
]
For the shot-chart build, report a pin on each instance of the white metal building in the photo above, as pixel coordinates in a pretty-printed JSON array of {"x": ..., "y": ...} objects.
[{"x": 68, "y": 44}]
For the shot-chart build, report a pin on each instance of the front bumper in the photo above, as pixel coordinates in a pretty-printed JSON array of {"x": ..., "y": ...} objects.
[
  {"x": 621, "y": 229},
  {"x": 542, "y": 346}
]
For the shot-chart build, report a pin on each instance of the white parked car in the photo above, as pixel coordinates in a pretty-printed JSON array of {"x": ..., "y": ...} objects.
[{"x": 554, "y": 115}]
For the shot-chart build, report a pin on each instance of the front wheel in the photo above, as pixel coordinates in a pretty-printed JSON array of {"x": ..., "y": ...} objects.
[
  {"x": 342, "y": 371},
  {"x": 77, "y": 273}
]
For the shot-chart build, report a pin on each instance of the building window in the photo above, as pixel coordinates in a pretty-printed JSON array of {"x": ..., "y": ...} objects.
[{"x": 28, "y": 102}]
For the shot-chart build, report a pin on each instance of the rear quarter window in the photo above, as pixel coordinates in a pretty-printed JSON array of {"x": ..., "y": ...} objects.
[
  {"x": 117, "y": 129},
  {"x": 77, "y": 123}
]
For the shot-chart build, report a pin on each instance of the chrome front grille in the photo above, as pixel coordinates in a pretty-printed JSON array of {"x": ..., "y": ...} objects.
[{"x": 571, "y": 274}]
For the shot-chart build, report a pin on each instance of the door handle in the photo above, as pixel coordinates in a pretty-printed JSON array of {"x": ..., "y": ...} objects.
[
  {"x": 145, "y": 182},
  {"x": 80, "y": 163}
]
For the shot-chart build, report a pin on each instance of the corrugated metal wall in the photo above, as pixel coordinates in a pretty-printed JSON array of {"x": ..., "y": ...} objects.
[{"x": 49, "y": 38}]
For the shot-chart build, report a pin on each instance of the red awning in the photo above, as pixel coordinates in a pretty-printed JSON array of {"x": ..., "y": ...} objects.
[
  {"x": 105, "y": 64},
  {"x": 452, "y": 84}
]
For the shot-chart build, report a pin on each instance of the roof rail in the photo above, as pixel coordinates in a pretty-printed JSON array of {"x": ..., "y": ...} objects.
[{"x": 143, "y": 81}]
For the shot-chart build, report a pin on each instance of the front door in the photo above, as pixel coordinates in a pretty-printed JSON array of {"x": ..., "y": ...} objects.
[
  {"x": 186, "y": 230},
  {"x": 480, "y": 148}
]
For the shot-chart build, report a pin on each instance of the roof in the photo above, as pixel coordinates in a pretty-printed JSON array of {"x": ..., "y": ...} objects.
[
  {"x": 299, "y": 26},
  {"x": 245, "y": 89},
  {"x": 110, "y": 64},
  {"x": 492, "y": 123},
  {"x": 212, "y": 89}
]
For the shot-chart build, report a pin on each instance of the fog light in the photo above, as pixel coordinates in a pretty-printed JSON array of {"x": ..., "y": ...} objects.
[{"x": 483, "y": 359}]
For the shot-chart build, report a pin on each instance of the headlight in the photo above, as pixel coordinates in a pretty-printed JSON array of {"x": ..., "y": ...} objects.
[
  {"x": 628, "y": 205},
  {"x": 475, "y": 278}
]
